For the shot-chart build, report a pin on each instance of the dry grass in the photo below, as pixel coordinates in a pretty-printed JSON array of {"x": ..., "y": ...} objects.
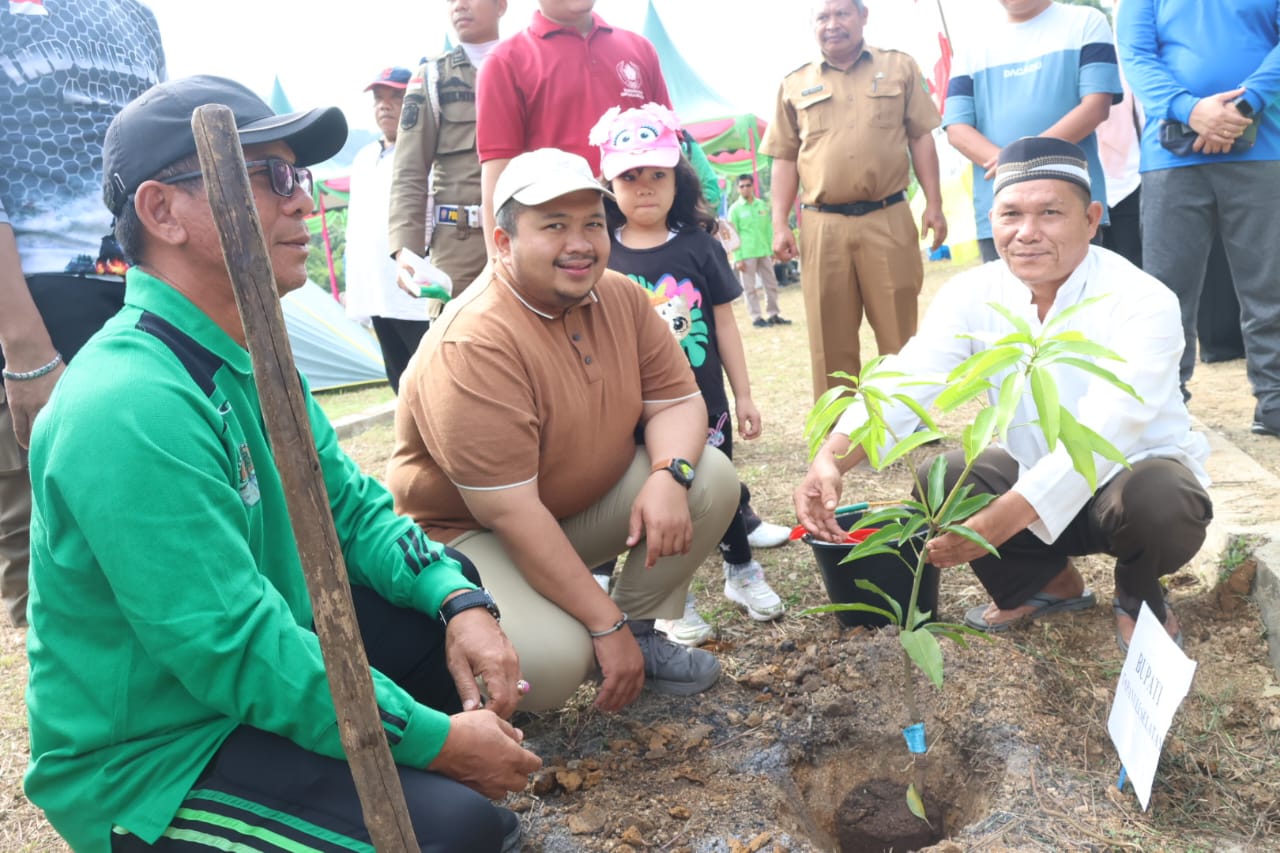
[{"x": 1225, "y": 782}]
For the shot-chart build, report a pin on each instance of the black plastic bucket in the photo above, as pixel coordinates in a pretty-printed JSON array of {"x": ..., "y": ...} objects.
[{"x": 886, "y": 571}]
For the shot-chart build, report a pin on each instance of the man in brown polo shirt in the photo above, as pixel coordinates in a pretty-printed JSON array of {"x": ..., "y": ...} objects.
[
  {"x": 516, "y": 444},
  {"x": 843, "y": 130}
]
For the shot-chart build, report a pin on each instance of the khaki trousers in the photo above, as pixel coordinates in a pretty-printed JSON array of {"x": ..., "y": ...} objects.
[
  {"x": 556, "y": 654},
  {"x": 851, "y": 265},
  {"x": 15, "y": 519},
  {"x": 462, "y": 259},
  {"x": 759, "y": 271}
]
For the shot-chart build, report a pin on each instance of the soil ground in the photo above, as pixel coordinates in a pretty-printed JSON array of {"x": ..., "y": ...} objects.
[{"x": 1019, "y": 755}]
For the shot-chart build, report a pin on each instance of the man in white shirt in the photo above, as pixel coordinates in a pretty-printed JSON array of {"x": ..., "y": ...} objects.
[
  {"x": 399, "y": 319},
  {"x": 1150, "y": 516}
]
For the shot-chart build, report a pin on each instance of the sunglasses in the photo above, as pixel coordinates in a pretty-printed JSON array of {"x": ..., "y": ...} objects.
[{"x": 285, "y": 177}]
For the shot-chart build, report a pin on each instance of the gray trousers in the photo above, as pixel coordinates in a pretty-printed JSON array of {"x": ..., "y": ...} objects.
[
  {"x": 1182, "y": 210},
  {"x": 1151, "y": 517}
]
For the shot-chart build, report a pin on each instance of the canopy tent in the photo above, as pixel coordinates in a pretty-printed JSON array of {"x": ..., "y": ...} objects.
[
  {"x": 329, "y": 348},
  {"x": 729, "y": 137}
]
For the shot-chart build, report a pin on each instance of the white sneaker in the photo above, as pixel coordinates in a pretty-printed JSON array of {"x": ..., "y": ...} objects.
[
  {"x": 768, "y": 535},
  {"x": 746, "y": 586},
  {"x": 689, "y": 630}
]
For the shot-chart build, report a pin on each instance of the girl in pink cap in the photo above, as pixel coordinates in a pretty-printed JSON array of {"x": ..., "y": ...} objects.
[{"x": 661, "y": 238}]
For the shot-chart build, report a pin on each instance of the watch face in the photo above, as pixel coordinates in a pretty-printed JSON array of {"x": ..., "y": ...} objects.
[{"x": 685, "y": 470}]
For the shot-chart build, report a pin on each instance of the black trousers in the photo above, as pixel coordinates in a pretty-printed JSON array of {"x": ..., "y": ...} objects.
[
  {"x": 398, "y": 340},
  {"x": 1151, "y": 517},
  {"x": 264, "y": 792},
  {"x": 1218, "y": 325},
  {"x": 73, "y": 308},
  {"x": 1124, "y": 235}
]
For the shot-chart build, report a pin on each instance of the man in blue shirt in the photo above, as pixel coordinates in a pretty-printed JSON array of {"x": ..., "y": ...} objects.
[
  {"x": 1208, "y": 75},
  {"x": 1048, "y": 69}
]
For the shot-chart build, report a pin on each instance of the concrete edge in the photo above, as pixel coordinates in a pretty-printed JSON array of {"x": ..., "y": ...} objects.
[
  {"x": 1237, "y": 480},
  {"x": 349, "y": 426}
]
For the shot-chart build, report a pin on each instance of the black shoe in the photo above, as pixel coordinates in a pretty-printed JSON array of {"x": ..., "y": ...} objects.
[
  {"x": 512, "y": 835},
  {"x": 779, "y": 321},
  {"x": 1266, "y": 423},
  {"x": 760, "y": 323}
]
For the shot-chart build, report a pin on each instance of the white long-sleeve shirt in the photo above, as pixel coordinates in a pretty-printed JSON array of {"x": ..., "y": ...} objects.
[
  {"x": 1139, "y": 320},
  {"x": 371, "y": 273}
]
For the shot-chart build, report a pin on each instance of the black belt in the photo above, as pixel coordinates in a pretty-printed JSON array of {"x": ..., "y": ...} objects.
[{"x": 858, "y": 208}]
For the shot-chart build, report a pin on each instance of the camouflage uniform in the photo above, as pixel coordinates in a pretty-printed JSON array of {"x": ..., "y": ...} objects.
[{"x": 436, "y": 155}]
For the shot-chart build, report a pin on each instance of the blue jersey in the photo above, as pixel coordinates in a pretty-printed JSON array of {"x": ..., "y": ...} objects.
[
  {"x": 1022, "y": 78},
  {"x": 1176, "y": 52},
  {"x": 64, "y": 75}
]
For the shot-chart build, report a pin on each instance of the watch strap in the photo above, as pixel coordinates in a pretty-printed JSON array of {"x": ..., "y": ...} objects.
[{"x": 466, "y": 601}]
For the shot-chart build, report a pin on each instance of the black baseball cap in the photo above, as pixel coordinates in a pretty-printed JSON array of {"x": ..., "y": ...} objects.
[{"x": 154, "y": 131}]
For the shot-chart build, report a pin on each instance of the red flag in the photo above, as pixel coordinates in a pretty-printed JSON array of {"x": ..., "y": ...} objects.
[{"x": 941, "y": 73}]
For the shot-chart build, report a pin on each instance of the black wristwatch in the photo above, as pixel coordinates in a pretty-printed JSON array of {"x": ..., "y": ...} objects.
[
  {"x": 679, "y": 468},
  {"x": 469, "y": 599}
]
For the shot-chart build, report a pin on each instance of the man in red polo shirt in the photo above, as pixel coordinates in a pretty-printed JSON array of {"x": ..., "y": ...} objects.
[{"x": 546, "y": 86}]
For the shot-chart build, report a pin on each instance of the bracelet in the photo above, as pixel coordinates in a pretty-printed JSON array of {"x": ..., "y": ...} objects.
[
  {"x": 612, "y": 629},
  {"x": 34, "y": 374}
]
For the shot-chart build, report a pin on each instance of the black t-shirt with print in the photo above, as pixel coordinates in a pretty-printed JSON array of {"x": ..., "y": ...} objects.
[{"x": 686, "y": 277}]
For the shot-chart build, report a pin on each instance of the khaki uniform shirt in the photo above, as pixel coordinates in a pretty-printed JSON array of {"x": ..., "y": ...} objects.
[
  {"x": 502, "y": 393},
  {"x": 448, "y": 146},
  {"x": 847, "y": 131}
]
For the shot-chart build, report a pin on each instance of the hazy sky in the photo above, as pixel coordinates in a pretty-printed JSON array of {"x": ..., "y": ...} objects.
[{"x": 326, "y": 51}]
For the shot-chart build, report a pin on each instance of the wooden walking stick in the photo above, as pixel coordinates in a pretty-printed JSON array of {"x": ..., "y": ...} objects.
[{"x": 289, "y": 431}]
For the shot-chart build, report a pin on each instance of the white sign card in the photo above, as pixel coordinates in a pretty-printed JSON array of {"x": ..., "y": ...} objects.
[{"x": 1154, "y": 681}]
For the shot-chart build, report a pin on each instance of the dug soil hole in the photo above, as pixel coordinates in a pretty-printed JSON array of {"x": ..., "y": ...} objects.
[{"x": 854, "y": 799}]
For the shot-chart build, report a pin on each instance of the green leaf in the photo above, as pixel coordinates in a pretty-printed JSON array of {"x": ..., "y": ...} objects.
[
  {"x": 884, "y": 516},
  {"x": 1101, "y": 373},
  {"x": 1057, "y": 345},
  {"x": 986, "y": 364},
  {"x": 1104, "y": 448},
  {"x": 1067, "y": 313},
  {"x": 958, "y": 393},
  {"x": 969, "y": 506},
  {"x": 937, "y": 483},
  {"x": 912, "y": 526},
  {"x": 923, "y": 649},
  {"x": 864, "y": 550},
  {"x": 863, "y": 583},
  {"x": 910, "y": 443},
  {"x": 956, "y": 632},
  {"x": 1045, "y": 392},
  {"x": 1078, "y": 448},
  {"x": 975, "y": 538},
  {"x": 921, "y": 412},
  {"x": 841, "y": 608},
  {"x": 824, "y": 415},
  {"x": 918, "y": 618},
  {"x": 1007, "y": 402},
  {"x": 1023, "y": 327},
  {"x": 977, "y": 436},
  {"x": 915, "y": 803}
]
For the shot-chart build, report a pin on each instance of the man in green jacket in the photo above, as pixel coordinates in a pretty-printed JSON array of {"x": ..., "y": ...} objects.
[
  {"x": 177, "y": 695},
  {"x": 753, "y": 260}
]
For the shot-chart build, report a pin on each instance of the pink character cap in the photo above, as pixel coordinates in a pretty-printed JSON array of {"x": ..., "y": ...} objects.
[{"x": 642, "y": 136}]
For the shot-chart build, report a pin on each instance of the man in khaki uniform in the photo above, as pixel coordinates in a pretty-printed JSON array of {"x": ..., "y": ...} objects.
[
  {"x": 843, "y": 129},
  {"x": 436, "y": 153}
]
